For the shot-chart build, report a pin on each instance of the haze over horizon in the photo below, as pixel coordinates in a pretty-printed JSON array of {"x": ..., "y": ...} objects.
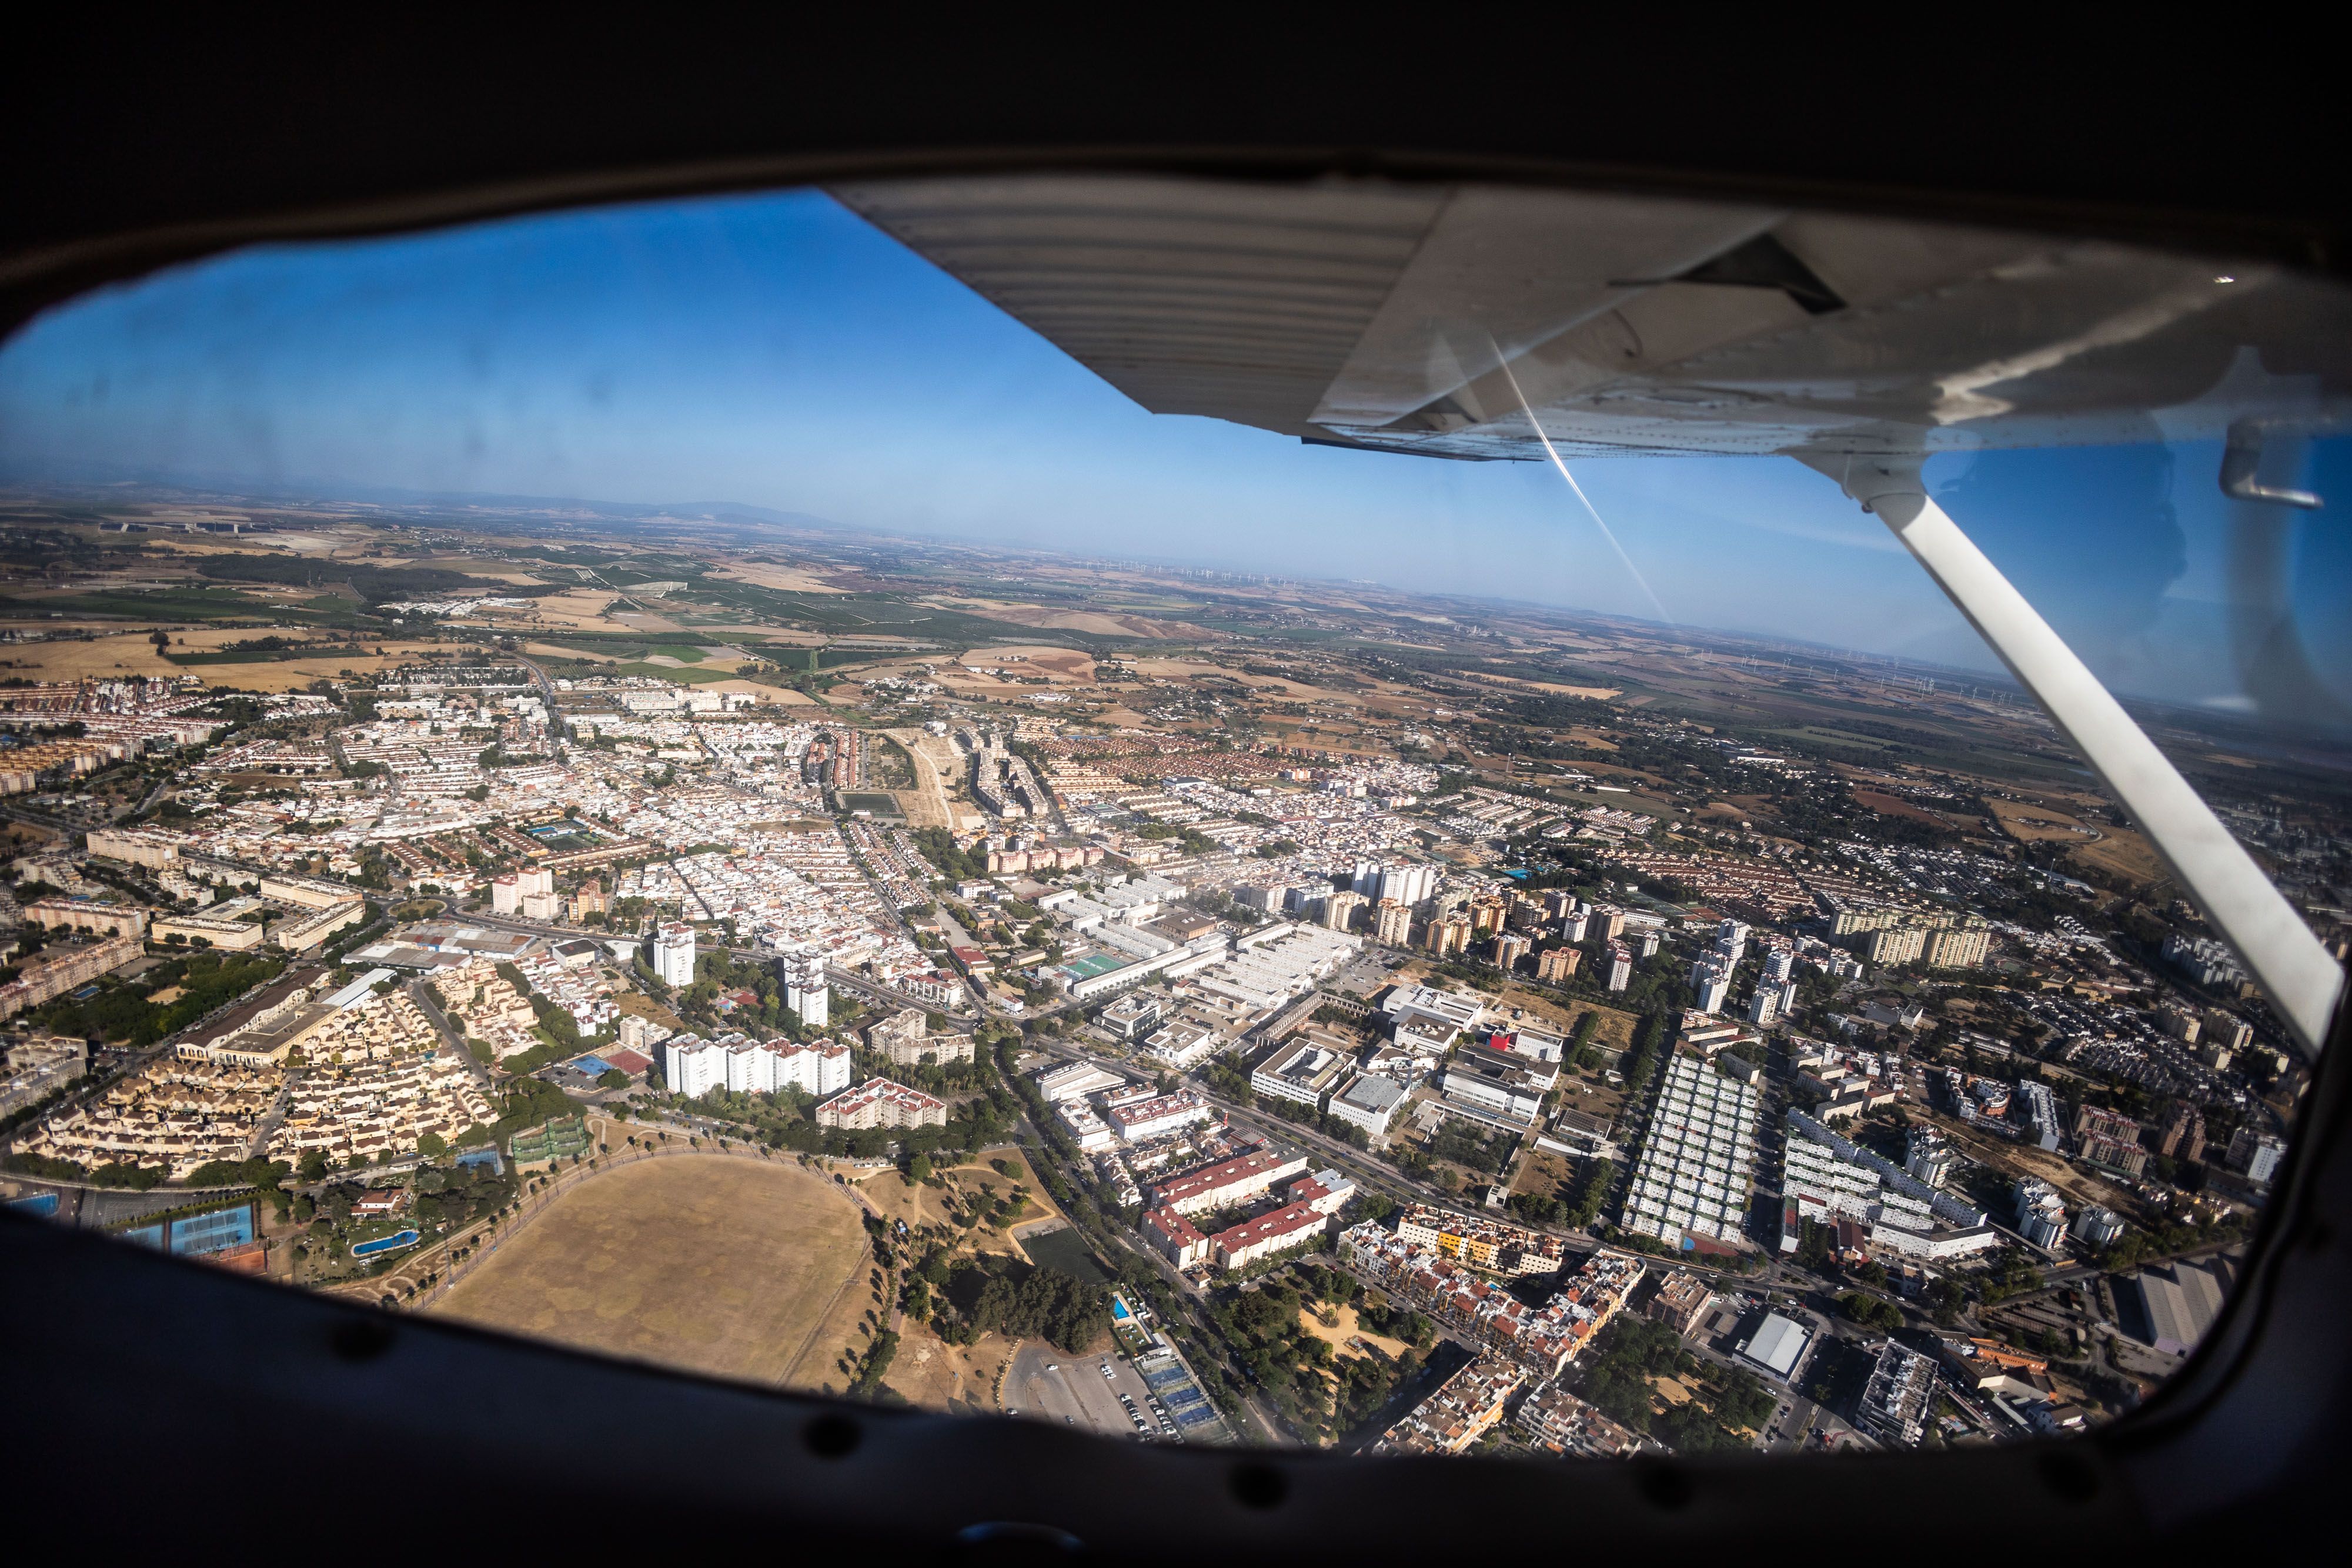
[{"x": 777, "y": 351}]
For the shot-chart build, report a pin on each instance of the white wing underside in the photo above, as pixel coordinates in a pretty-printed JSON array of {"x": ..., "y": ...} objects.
[{"x": 1383, "y": 316}]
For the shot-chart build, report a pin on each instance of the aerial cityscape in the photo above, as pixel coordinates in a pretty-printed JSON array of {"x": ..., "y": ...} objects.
[
  {"x": 1195, "y": 1006},
  {"x": 1179, "y": 1004}
]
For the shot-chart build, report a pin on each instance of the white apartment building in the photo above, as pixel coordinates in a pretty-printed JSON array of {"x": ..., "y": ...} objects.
[
  {"x": 807, "y": 992},
  {"x": 693, "y": 1066},
  {"x": 674, "y": 954}
]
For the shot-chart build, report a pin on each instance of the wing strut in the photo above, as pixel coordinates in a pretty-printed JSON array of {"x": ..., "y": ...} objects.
[{"x": 2285, "y": 959}]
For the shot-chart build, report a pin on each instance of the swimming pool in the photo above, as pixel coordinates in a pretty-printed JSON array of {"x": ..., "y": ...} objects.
[{"x": 392, "y": 1243}]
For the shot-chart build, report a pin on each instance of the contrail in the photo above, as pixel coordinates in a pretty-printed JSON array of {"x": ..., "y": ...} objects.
[{"x": 1589, "y": 506}]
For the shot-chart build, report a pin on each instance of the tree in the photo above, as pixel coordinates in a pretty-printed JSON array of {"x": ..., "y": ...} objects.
[
  {"x": 431, "y": 1145},
  {"x": 1870, "y": 1311}
]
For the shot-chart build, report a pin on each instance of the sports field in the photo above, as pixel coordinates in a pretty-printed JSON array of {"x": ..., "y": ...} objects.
[{"x": 722, "y": 1265}]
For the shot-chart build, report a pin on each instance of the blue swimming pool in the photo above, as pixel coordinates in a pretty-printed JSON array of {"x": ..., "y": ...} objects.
[{"x": 385, "y": 1244}]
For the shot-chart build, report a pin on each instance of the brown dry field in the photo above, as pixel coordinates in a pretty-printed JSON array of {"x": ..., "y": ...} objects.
[
  {"x": 2122, "y": 850},
  {"x": 644, "y": 1007},
  {"x": 1601, "y": 693},
  {"x": 1094, "y": 620},
  {"x": 1888, "y": 805},
  {"x": 936, "y": 1376},
  {"x": 1544, "y": 1172},
  {"x": 2077, "y": 1186},
  {"x": 718, "y": 1264},
  {"x": 841, "y": 1335},
  {"x": 1057, "y": 664},
  {"x": 130, "y": 653},
  {"x": 783, "y": 578},
  {"x": 578, "y": 608},
  {"x": 2125, "y": 852},
  {"x": 2027, "y": 823}
]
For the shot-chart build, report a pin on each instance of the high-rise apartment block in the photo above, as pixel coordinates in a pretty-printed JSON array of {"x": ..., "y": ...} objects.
[
  {"x": 807, "y": 992},
  {"x": 1408, "y": 884},
  {"x": 1449, "y": 934},
  {"x": 1557, "y": 967},
  {"x": 674, "y": 954},
  {"x": 2256, "y": 1155},
  {"x": 2183, "y": 1136},
  {"x": 1957, "y": 947},
  {"x": 1339, "y": 909},
  {"x": 1897, "y": 945},
  {"x": 1393, "y": 923}
]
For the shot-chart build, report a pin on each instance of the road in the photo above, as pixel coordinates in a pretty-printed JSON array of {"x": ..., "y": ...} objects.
[{"x": 450, "y": 1035}]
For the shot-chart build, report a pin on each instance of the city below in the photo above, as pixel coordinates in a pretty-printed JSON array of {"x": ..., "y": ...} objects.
[{"x": 1191, "y": 1007}]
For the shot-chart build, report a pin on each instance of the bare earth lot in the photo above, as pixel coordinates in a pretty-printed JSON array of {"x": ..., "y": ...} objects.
[{"x": 717, "y": 1264}]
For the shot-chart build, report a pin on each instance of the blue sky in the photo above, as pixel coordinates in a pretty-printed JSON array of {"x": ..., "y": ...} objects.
[{"x": 777, "y": 351}]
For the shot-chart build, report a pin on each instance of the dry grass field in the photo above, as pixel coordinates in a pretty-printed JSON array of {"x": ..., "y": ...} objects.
[
  {"x": 722, "y": 1265},
  {"x": 2122, "y": 850},
  {"x": 928, "y": 1373},
  {"x": 131, "y": 653}
]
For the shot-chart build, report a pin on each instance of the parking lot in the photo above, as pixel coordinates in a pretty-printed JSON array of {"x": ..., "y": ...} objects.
[{"x": 1048, "y": 1386}]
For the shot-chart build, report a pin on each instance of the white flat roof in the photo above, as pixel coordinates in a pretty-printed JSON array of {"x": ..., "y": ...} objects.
[{"x": 1779, "y": 1342}]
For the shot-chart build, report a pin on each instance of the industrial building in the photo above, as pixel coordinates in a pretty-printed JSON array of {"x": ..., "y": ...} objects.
[
  {"x": 1778, "y": 1345},
  {"x": 2177, "y": 1304}
]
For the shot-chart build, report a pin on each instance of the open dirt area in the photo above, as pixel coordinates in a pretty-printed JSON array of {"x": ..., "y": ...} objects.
[
  {"x": 576, "y": 610},
  {"x": 1348, "y": 1329},
  {"x": 935, "y": 763},
  {"x": 722, "y": 1265},
  {"x": 936, "y": 1376},
  {"x": 1888, "y": 805},
  {"x": 2122, "y": 850}
]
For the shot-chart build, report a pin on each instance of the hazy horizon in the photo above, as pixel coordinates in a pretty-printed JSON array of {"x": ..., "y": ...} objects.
[{"x": 778, "y": 351}]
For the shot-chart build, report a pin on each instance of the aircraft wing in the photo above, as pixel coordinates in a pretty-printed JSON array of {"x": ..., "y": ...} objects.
[{"x": 1444, "y": 320}]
